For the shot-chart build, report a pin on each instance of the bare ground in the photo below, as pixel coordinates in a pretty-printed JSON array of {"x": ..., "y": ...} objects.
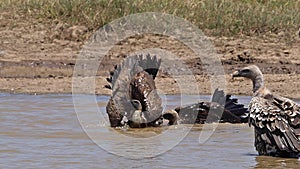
[{"x": 40, "y": 58}]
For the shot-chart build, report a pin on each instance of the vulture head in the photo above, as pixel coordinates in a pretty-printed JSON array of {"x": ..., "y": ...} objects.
[
  {"x": 138, "y": 118},
  {"x": 172, "y": 116},
  {"x": 251, "y": 72}
]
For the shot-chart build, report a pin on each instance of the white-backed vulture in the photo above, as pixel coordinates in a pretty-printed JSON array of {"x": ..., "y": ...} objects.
[{"x": 276, "y": 119}]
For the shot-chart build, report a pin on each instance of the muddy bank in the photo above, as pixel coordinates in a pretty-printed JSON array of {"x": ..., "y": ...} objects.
[{"x": 34, "y": 60}]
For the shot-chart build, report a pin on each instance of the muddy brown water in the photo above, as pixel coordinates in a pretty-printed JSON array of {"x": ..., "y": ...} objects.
[{"x": 39, "y": 131}]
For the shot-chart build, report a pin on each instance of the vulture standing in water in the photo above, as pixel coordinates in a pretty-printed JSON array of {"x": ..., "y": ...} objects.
[
  {"x": 135, "y": 102},
  {"x": 276, "y": 119}
]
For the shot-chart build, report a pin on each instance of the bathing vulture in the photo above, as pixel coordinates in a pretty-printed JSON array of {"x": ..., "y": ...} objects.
[
  {"x": 134, "y": 100},
  {"x": 223, "y": 108},
  {"x": 276, "y": 119}
]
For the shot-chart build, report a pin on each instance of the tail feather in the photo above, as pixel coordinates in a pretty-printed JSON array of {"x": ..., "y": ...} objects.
[
  {"x": 237, "y": 109},
  {"x": 231, "y": 104},
  {"x": 150, "y": 64},
  {"x": 231, "y": 100}
]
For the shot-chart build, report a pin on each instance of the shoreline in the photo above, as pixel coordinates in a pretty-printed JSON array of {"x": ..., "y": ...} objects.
[
  {"x": 238, "y": 87},
  {"x": 45, "y": 67},
  {"x": 38, "y": 50}
]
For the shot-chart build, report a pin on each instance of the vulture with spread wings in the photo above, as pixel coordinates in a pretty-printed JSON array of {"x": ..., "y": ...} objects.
[{"x": 134, "y": 100}]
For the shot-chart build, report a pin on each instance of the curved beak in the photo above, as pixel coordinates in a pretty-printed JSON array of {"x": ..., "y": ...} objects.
[{"x": 235, "y": 74}]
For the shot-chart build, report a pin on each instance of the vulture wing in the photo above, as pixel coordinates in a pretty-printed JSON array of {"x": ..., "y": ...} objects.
[
  {"x": 133, "y": 79},
  {"x": 277, "y": 126},
  {"x": 223, "y": 108}
]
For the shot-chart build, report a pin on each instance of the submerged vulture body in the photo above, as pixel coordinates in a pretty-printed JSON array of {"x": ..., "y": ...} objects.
[
  {"x": 276, "y": 119},
  {"x": 223, "y": 108}
]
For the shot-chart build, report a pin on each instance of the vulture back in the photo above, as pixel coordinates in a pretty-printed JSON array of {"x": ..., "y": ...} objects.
[
  {"x": 222, "y": 108},
  {"x": 133, "y": 79}
]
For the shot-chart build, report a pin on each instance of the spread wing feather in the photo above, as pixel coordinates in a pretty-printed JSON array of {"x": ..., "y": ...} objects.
[{"x": 233, "y": 112}]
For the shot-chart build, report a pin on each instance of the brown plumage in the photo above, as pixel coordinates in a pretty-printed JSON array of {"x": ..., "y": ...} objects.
[
  {"x": 134, "y": 100},
  {"x": 222, "y": 109},
  {"x": 276, "y": 119}
]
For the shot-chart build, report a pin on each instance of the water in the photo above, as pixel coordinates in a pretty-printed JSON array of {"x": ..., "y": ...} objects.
[{"x": 44, "y": 131}]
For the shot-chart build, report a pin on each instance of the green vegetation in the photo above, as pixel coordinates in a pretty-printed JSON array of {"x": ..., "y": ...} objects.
[{"x": 218, "y": 17}]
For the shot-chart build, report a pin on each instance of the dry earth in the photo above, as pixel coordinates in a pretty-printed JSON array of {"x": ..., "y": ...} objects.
[{"x": 40, "y": 58}]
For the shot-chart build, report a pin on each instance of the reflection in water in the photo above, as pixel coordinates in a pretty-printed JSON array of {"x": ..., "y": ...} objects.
[
  {"x": 141, "y": 133},
  {"x": 43, "y": 131}
]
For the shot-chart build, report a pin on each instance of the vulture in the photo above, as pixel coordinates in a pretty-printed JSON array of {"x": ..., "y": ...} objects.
[
  {"x": 222, "y": 108},
  {"x": 134, "y": 101},
  {"x": 276, "y": 119}
]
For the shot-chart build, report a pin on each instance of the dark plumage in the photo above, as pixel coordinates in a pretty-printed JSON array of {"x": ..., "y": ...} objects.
[
  {"x": 222, "y": 109},
  {"x": 276, "y": 119},
  {"x": 134, "y": 100}
]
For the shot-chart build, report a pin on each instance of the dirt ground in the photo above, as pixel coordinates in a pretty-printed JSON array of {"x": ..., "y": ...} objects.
[{"x": 37, "y": 58}]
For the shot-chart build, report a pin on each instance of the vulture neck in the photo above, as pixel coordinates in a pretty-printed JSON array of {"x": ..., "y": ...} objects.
[{"x": 258, "y": 83}]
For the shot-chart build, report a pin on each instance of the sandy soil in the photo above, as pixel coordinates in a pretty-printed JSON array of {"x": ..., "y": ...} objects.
[{"x": 39, "y": 58}]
